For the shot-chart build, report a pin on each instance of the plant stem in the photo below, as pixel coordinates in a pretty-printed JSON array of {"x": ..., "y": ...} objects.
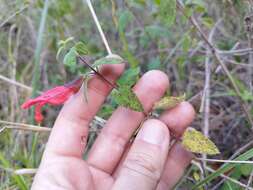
[
  {"x": 94, "y": 70},
  {"x": 108, "y": 49},
  {"x": 36, "y": 73},
  {"x": 213, "y": 50}
]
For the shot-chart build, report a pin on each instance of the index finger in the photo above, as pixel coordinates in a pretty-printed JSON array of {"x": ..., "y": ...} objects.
[{"x": 70, "y": 131}]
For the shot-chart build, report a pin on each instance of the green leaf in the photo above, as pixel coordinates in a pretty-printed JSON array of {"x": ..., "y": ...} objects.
[
  {"x": 124, "y": 96},
  {"x": 125, "y": 18},
  {"x": 81, "y": 48},
  {"x": 186, "y": 43},
  {"x": 60, "y": 50},
  {"x": 129, "y": 77},
  {"x": 154, "y": 63},
  {"x": 65, "y": 42},
  {"x": 108, "y": 60},
  {"x": 167, "y": 11},
  {"x": 224, "y": 168},
  {"x": 155, "y": 31},
  {"x": 169, "y": 102},
  {"x": 195, "y": 141},
  {"x": 70, "y": 58},
  {"x": 246, "y": 169},
  {"x": 157, "y": 2}
]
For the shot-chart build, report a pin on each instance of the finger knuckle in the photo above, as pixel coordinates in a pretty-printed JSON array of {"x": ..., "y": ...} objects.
[{"x": 143, "y": 164}]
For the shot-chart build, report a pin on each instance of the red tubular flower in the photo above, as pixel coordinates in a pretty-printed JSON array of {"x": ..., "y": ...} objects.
[{"x": 55, "y": 96}]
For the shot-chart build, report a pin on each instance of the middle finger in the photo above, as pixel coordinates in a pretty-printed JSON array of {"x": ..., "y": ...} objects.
[{"x": 110, "y": 144}]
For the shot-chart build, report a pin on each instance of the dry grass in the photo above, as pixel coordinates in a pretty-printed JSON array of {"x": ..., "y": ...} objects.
[{"x": 162, "y": 48}]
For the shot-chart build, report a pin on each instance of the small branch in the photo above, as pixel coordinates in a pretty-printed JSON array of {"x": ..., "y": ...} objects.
[
  {"x": 235, "y": 52},
  {"x": 220, "y": 61},
  {"x": 224, "y": 161},
  {"x": 237, "y": 63},
  {"x": 13, "y": 15},
  {"x": 25, "y": 171},
  {"x": 22, "y": 126},
  {"x": 206, "y": 91},
  {"x": 248, "y": 27},
  {"x": 99, "y": 27},
  {"x": 17, "y": 124},
  {"x": 13, "y": 82},
  {"x": 224, "y": 176},
  {"x": 250, "y": 180},
  {"x": 35, "y": 129}
]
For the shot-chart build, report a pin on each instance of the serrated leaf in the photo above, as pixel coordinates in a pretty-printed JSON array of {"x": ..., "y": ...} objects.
[
  {"x": 81, "y": 48},
  {"x": 167, "y": 11},
  {"x": 124, "y": 96},
  {"x": 70, "y": 58},
  {"x": 129, "y": 77},
  {"x": 196, "y": 142},
  {"x": 169, "y": 102},
  {"x": 107, "y": 60}
]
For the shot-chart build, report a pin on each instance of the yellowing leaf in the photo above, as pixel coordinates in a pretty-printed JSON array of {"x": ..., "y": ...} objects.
[
  {"x": 196, "y": 176},
  {"x": 169, "y": 102},
  {"x": 124, "y": 96},
  {"x": 196, "y": 142}
]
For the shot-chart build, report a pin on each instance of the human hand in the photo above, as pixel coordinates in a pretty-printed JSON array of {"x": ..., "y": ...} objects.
[{"x": 114, "y": 163}]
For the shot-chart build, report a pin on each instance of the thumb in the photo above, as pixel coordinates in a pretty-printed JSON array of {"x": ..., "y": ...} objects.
[{"x": 144, "y": 163}]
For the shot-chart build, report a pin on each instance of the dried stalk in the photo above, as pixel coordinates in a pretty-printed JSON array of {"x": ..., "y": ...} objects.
[
  {"x": 99, "y": 27},
  {"x": 213, "y": 50}
]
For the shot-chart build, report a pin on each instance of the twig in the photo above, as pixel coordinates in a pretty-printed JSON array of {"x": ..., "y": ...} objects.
[
  {"x": 96, "y": 72},
  {"x": 225, "y": 161},
  {"x": 206, "y": 91},
  {"x": 220, "y": 61},
  {"x": 17, "y": 124},
  {"x": 242, "y": 149},
  {"x": 35, "y": 129},
  {"x": 224, "y": 176},
  {"x": 99, "y": 27},
  {"x": 25, "y": 171},
  {"x": 248, "y": 27},
  {"x": 249, "y": 181},
  {"x": 235, "y": 52},
  {"x": 13, "y": 82},
  {"x": 237, "y": 63},
  {"x": 13, "y": 15},
  {"x": 23, "y": 126}
]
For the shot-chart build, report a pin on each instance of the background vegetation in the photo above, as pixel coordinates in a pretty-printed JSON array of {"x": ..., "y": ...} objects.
[{"x": 145, "y": 34}]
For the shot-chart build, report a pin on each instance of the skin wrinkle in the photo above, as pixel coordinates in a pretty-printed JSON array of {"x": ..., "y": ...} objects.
[
  {"x": 115, "y": 138},
  {"x": 147, "y": 84},
  {"x": 143, "y": 163},
  {"x": 93, "y": 178}
]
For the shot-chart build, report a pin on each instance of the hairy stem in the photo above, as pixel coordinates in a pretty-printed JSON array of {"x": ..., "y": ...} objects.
[{"x": 97, "y": 73}]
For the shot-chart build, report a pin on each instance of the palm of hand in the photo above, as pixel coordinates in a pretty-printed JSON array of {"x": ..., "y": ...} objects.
[{"x": 112, "y": 162}]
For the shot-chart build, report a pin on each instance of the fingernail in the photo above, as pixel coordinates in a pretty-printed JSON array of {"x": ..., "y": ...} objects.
[{"x": 152, "y": 132}]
